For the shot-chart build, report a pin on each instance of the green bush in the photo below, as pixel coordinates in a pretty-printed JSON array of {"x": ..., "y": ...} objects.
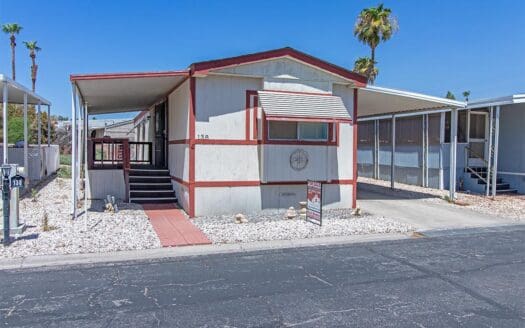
[
  {"x": 65, "y": 159},
  {"x": 64, "y": 172}
]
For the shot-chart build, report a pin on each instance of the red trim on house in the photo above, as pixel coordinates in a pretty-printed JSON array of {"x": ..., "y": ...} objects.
[
  {"x": 254, "y": 183},
  {"x": 205, "y": 66},
  {"x": 248, "y": 103},
  {"x": 179, "y": 141},
  {"x": 192, "y": 111},
  {"x": 354, "y": 157},
  {"x": 255, "y": 114},
  {"x": 180, "y": 181},
  {"x": 107, "y": 76},
  {"x": 140, "y": 116},
  {"x": 233, "y": 142},
  {"x": 300, "y": 92},
  {"x": 306, "y": 119}
]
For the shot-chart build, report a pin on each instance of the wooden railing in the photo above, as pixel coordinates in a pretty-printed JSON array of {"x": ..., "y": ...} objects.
[
  {"x": 109, "y": 153},
  {"x": 118, "y": 154}
]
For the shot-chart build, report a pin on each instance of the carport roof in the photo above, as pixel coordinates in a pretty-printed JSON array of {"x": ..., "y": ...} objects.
[
  {"x": 16, "y": 91},
  {"x": 125, "y": 92},
  {"x": 375, "y": 101}
]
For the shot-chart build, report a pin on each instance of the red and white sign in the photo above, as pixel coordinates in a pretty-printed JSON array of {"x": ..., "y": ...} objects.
[{"x": 314, "y": 197}]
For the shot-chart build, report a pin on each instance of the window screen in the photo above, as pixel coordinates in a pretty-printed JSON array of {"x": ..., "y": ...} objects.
[
  {"x": 462, "y": 126},
  {"x": 313, "y": 131},
  {"x": 278, "y": 130}
]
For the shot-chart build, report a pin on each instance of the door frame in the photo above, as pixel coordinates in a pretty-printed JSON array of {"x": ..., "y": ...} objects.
[{"x": 474, "y": 160}]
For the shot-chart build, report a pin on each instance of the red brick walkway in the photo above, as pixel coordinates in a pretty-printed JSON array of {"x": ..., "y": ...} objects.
[{"x": 172, "y": 226}]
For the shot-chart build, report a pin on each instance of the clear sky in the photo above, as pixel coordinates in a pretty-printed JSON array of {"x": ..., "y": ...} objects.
[{"x": 442, "y": 45}]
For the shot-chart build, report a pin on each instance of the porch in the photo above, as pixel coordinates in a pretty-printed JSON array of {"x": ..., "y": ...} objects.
[{"x": 131, "y": 169}]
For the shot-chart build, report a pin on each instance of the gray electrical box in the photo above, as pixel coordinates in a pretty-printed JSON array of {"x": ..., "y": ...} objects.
[{"x": 15, "y": 227}]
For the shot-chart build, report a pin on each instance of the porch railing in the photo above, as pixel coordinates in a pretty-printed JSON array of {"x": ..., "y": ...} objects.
[{"x": 109, "y": 153}]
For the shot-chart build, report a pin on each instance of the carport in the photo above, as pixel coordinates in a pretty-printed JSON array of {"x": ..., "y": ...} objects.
[{"x": 391, "y": 105}]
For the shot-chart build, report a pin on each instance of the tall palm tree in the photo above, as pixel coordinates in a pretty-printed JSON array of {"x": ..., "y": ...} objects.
[
  {"x": 373, "y": 26},
  {"x": 12, "y": 29},
  {"x": 33, "y": 49},
  {"x": 365, "y": 66},
  {"x": 466, "y": 94}
]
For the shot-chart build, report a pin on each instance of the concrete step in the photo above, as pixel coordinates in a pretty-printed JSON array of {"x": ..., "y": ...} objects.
[
  {"x": 149, "y": 179},
  {"x": 153, "y": 200},
  {"x": 151, "y": 193},
  {"x": 150, "y": 186}
]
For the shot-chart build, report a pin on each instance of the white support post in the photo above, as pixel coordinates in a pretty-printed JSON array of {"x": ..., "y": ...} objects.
[
  {"x": 376, "y": 149},
  {"x": 5, "y": 97},
  {"x": 80, "y": 140},
  {"x": 441, "y": 142},
  {"x": 496, "y": 144},
  {"x": 453, "y": 151},
  {"x": 86, "y": 130},
  {"x": 39, "y": 124},
  {"x": 48, "y": 126},
  {"x": 393, "y": 155},
  {"x": 73, "y": 152},
  {"x": 489, "y": 162},
  {"x": 26, "y": 142}
]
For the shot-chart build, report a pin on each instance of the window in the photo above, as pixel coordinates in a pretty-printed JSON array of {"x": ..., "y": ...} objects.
[
  {"x": 284, "y": 130},
  {"x": 462, "y": 126}
]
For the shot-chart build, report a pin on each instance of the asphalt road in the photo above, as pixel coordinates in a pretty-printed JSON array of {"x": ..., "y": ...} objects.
[{"x": 467, "y": 280}]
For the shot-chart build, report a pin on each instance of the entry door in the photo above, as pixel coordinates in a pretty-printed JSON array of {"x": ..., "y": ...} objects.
[
  {"x": 160, "y": 135},
  {"x": 478, "y": 139}
]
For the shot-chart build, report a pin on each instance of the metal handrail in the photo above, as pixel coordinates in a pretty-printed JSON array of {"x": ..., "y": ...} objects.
[{"x": 478, "y": 156}]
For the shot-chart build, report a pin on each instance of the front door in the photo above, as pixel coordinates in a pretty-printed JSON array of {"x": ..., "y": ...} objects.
[
  {"x": 478, "y": 139},
  {"x": 160, "y": 135}
]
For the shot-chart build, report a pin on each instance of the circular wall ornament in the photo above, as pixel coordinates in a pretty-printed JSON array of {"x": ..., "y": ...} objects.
[{"x": 298, "y": 159}]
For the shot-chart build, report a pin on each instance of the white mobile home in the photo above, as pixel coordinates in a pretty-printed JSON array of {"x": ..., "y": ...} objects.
[{"x": 235, "y": 134}]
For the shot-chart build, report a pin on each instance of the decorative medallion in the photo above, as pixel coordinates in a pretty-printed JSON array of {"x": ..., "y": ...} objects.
[{"x": 298, "y": 159}]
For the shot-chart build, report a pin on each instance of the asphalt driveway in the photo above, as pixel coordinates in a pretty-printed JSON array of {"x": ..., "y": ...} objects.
[{"x": 424, "y": 212}]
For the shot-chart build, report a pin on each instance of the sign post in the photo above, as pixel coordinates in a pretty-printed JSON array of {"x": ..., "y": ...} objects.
[
  {"x": 6, "y": 170},
  {"x": 314, "y": 204}
]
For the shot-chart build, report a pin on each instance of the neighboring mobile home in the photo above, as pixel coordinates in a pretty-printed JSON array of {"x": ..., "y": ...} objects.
[
  {"x": 489, "y": 134},
  {"x": 239, "y": 134}
]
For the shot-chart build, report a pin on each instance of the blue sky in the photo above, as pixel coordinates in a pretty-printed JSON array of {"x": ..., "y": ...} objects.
[{"x": 441, "y": 45}]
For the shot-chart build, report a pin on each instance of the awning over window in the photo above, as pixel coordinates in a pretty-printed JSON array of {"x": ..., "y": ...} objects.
[{"x": 285, "y": 106}]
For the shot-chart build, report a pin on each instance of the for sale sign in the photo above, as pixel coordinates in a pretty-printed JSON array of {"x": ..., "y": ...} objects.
[{"x": 314, "y": 196}]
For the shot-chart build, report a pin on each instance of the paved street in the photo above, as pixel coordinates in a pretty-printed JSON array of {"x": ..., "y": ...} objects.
[{"x": 468, "y": 280}]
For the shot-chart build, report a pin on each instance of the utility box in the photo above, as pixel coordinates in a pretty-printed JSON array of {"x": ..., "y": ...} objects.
[{"x": 15, "y": 227}]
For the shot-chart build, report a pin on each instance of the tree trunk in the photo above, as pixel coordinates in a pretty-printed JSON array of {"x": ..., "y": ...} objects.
[
  {"x": 13, "y": 45},
  {"x": 372, "y": 65},
  {"x": 34, "y": 69}
]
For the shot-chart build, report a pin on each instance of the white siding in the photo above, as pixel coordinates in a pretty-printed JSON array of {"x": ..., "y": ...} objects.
[
  {"x": 107, "y": 182},
  {"x": 220, "y": 106},
  {"x": 178, "y": 112},
  {"x": 226, "y": 163},
  {"x": 287, "y": 74}
]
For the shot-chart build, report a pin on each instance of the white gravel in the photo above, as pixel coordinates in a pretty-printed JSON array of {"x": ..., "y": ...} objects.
[
  {"x": 271, "y": 225},
  {"x": 129, "y": 229}
]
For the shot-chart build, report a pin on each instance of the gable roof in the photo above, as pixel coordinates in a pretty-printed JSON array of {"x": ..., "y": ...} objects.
[{"x": 205, "y": 66}]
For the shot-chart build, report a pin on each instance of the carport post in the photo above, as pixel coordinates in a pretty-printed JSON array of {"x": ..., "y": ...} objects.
[
  {"x": 48, "y": 126},
  {"x": 26, "y": 161},
  {"x": 489, "y": 163},
  {"x": 4, "y": 112},
  {"x": 86, "y": 130},
  {"x": 376, "y": 149},
  {"x": 393, "y": 155},
  {"x": 496, "y": 144},
  {"x": 453, "y": 151},
  {"x": 73, "y": 151}
]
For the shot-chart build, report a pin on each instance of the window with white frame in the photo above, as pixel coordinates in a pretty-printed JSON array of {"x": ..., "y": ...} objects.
[{"x": 307, "y": 131}]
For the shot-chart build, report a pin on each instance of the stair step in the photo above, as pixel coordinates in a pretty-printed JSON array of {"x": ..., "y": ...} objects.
[
  {"x": 149, "y": 172},
  {"x": 135, "y": 186},
  {"x": 151, "y": 193},
  {"x": 146, "y": 200},
  {"x": 507, "y": 191},
  {"x": 149, "y": 179}
]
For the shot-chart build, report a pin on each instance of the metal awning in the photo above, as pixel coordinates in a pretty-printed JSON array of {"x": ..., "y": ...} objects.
[
  {"x": 16, "y": 92},
  {"x": 373, "y": 101},
  {"x": 125, "y": 92},
  {"x": 303, "y": 107}
]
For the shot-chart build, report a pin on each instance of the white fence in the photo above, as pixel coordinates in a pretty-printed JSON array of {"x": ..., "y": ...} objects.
[{"x": 40, "y": 165}]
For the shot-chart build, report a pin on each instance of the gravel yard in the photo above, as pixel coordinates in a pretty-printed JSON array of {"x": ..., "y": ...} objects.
[
  {"x": 128, "y": 229},
  {"x": 508, "y": 206},
  {"x": 271, "y": 225}
]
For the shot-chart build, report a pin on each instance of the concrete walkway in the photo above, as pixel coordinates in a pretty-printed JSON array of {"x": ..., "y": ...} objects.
[{"x": 422, "y": 212}]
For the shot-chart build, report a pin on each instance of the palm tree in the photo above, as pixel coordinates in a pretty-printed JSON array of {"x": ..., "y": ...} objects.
[
  {"x": 12, "y": 29},
  {"x": 374, "y": 25},
  {"x": 450, "y": 95},
  {"x": 33, "y": 49},
  {"x": 466, "y": 94},
  {"x": 365, "y": 66}
]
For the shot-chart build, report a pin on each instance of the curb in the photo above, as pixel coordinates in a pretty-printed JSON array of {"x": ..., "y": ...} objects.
[{"x": 38, "y": 261}]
